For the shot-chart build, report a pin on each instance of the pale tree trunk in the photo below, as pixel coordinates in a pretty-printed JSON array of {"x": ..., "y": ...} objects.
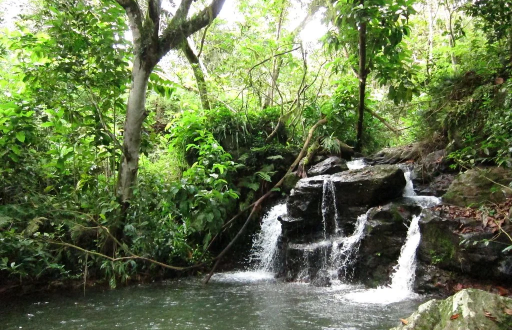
[
  {"x": 152, "y": 39},
  {"x": 135, "y": 115}
]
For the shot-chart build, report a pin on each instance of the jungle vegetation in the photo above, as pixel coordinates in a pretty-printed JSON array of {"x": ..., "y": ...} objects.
[{"x": 136, "y": 136}]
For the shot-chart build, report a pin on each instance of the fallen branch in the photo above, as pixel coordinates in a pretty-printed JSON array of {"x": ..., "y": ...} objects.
[
  {"x": 132, "y": 257},
  {"x": 258, "y": 203},
  {"x": 384, "y": 121}
]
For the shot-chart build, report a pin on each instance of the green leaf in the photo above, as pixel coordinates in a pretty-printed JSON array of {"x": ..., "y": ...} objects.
[{"x": 20, "y": 136}]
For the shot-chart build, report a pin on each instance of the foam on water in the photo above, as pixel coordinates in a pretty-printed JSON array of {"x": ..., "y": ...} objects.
[{"x": 244, "y": 277}]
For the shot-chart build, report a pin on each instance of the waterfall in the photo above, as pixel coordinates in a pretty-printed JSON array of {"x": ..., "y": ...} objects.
[
  {"x": 328, "y": 202},
  {"x": 263, "y": 253},
  {"x": 409, "y": 188},
  {"x": 265, "y": 243},
  {"x": 409, "y": 193},
  {"x": 405, "y": 271},
  {"x": 344, "y": 250}
]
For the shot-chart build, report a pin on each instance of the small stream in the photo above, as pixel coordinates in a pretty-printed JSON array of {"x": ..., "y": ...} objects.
[{"x": 250, "y": 299}]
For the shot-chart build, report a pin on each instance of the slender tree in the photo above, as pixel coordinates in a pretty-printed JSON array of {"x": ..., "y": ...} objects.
[
  {"x": 371, "y": 31},
  {"x": 153, "y": 37}
]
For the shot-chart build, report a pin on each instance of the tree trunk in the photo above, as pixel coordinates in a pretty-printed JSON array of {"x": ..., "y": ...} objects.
[
  {"x": 135, "y": 115},
  {"x": 362, "y": 82},
  {"x": 193, "y": 60},
  {"x": 151, "y": 41}
]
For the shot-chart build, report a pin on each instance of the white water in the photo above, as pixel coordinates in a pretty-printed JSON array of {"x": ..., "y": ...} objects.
[
  {"x": 264, "y": 249},
  {"x": 344, "y": 250},
  {"x": 328, "y": 202},
  {"x": 356, "y": 164},
  {"x": 409, "y": 188},
  {"x": 405, "y": 271},
  {"x": 409, "y": 193},
  {"x": 265, "y": 242}
]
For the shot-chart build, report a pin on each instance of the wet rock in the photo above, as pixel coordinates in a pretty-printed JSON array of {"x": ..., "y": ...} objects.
[
  {"x": 474, "y": 187},
  {"x": 467, "y": 309},
  {"x": 432, "y": 165},
  {"x": 441, "y": 247},
  {"x": 385, "y": 233},
  {"x": 304, "y": 262},
  {"x": 330, "y": 165},
  {"x": 363, "y": 187},
  {"x": 395, "y": 155}
]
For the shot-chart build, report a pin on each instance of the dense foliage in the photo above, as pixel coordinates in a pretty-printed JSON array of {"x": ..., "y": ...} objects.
[{"x": 438, "y": 72}]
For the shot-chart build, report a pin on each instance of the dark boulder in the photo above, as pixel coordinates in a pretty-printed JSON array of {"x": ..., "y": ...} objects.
[
  {"x": 330, "y": 165},
  {"x": 363, "y": 187}
]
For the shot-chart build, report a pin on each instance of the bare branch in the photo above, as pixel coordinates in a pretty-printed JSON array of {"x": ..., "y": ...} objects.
[{"x": 180, "y": 28}]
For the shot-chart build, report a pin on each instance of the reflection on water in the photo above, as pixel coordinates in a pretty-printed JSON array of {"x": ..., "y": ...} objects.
[{"x": 231, "y": 301}]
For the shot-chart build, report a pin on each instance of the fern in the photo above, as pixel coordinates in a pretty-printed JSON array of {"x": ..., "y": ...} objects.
[{"x": 331, "y": 144}]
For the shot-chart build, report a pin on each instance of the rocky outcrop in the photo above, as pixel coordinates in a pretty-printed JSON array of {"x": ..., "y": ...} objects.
[
  {"x": 478, "y": 186},
  {"x": 442, "y": 257},
  {"x": 385, "y": 234},
  {"x": 330, "y": 165},
  {"x": 467, "y": 309},
  {"x": 322, "y": 208}
]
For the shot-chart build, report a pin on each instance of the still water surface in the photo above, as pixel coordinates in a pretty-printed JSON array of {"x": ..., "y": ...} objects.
[{"x": 231, "y": 301}]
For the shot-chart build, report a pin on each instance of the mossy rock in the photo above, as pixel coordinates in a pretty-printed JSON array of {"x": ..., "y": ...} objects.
[
  {"x": 467, "y": 309},
  {"x": 479, "y": 186}
]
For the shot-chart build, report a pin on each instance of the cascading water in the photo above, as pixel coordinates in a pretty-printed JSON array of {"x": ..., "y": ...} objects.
[
  {"x": 265, "y": 243},
  {"x": 409, "y": 187},
  {"x": 263, "y": 253},
  {"x": 344, "y": 250},
  {"x": 402, "y": 280},
  {"x": 405, "y": 272},
  {"x": 328, "y": 204}
]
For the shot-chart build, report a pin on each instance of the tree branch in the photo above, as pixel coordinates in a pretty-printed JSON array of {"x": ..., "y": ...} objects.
[
  {"x": 180, "y": 28},
  {"x": 132, "y": 9}
]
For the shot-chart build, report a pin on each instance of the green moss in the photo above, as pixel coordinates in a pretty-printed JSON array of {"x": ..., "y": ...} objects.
[{"x": 441, "y": 247}]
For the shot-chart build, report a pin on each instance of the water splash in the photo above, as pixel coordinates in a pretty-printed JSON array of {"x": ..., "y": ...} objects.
[
  {"x": 265, "y": 242},
  {"x": 356, "y": 164}
]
